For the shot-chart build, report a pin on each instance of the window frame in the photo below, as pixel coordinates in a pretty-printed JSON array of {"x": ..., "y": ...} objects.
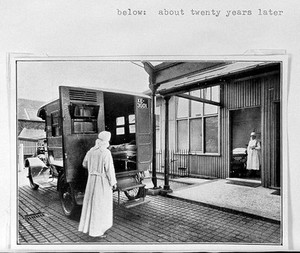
[
  {"x": 56, "y": 125},
  {"x": 121, "y": 126},
  {"x": 131, "y": 124},
  {"x": 203, "y": 117},
  {"x": 126, "y": 124},
  {"x": 79, "y": 118}
]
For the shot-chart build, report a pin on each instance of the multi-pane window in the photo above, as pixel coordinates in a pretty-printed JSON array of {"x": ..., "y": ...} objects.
[
  {"x": 120, "y": 122},
  {"x": 131, "y": 122},
  {"x": 84, "y": 118},
  {"x": 123, "y": 123},
  {"x": 197, "y": 122}
]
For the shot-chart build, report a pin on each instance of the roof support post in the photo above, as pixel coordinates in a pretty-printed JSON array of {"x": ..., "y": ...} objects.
[
  {"x": 167, "y": 152},
  {"x": 154, "y": 177}
]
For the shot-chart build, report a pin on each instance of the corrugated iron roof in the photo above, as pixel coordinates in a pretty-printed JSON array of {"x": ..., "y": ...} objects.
[
  {"x": 232, "y": 68},
  {"x": 32, "y": 134},
  {"x": 27, "y": 109}
]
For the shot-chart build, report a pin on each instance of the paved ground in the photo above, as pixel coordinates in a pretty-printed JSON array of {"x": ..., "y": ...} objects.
[
  {"x": 162, "y": 220},
  {"x": 255, "y": 200}
]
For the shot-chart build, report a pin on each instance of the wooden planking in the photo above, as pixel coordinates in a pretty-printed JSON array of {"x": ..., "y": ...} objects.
[
  {"x": 262, "y": 92},
  {"x": 242, "y": 94},
  {"x": 271, "y": 91},
  {"x": 252, "y": 92}
]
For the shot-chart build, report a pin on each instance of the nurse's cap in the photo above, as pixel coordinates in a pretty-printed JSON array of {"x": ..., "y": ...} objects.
[
  {"x": 104, "y": 136},
  {"x": 253, "y": 134}
]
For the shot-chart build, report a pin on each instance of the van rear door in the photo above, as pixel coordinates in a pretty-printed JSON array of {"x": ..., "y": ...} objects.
[
  {"x": 143, "y": 133},
  {"x": 82, "y": 119}
]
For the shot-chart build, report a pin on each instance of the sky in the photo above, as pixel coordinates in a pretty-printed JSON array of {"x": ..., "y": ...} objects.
[{"x": 39, "y": 80}]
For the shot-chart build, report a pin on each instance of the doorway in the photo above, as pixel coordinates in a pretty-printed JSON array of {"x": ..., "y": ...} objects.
[{"x": 243, "y": 122}]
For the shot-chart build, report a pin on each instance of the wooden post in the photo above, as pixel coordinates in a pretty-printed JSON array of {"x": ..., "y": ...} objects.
[
  {"x": 167, "y": 162},
  {"x": 154, "y": 177}
]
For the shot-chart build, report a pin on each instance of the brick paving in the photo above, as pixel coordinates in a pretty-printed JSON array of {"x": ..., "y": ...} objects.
[{"x": 162, "y": 220}]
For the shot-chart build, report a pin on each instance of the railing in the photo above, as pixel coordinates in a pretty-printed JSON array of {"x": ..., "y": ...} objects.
[{"x": 178, "y": 163}]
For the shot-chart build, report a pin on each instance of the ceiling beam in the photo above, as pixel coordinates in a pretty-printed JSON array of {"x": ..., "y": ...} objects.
[{"x": 206, "y": 101}]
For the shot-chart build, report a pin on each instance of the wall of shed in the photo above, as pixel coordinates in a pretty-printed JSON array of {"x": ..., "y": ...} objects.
[
  {"x": 236, "y": 94},
  {"x": 29, "y": 147},
  {"x": 253, "y": 92}
]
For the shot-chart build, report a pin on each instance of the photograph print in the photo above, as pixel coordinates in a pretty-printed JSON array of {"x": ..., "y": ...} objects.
[{"x": 149, "y": 152}]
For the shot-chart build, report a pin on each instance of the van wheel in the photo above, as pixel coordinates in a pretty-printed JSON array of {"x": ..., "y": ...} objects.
[
  {"x": 67, "y": 198},
  {"x": 33, "y": 185},
  {"x": 134, "y": 193}
]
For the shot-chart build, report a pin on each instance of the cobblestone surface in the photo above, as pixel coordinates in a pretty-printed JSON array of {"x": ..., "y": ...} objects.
[{"x": 162, "y": 220}]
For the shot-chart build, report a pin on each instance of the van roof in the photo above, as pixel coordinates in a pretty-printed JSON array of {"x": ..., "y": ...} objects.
[
  {"x": 111, "y": 90},
  {"x": 94, "y": 88}
]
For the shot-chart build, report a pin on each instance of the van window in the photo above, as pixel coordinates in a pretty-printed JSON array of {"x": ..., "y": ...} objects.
[
  {"x": 55, "y": 126},
  {"x": 131, "y": 121},
  {"x": 120, "y": 123},
  {"x": 84, "y": 118}
]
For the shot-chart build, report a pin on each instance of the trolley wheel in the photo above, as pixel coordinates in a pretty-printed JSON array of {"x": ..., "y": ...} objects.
[
  {"x": 33, "y": 185},
  {"x": 67, "y": 198},
  {"x": 135, "y": 193}
]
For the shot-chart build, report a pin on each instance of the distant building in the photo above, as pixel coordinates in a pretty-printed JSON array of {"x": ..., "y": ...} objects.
[{"x": 31, "y": 129}]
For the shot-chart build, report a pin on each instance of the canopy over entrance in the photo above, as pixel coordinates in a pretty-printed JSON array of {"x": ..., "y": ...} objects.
[{"x": 172, "y": 78}]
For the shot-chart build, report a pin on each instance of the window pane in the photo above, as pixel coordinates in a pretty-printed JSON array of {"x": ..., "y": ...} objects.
[
  {"x": 84, "y": 127},
  {"x": 131, "y": 129},
  {"x": 196, "y": 135},
  {"x": 210, "y": 109},
  {"x": 182, "y": 108},
  {"x": 207, "y": 93},
  {"x": 211, "y": 135},
  {"x": 120, "y": 121},
  {"x": 55, "y": 131},
  {"x": 83, "y": 111},
  {"x": 211, "y": 94},
  {"x": 131, "y": 119},
  {"x": 195, "y": 93},
  {"x": 54, "y": 120},
  {"x": 196, "y": 107},
  {"x": 120, "y": 130},
  {"x": 78, "y": 128},
  {"x": 89, "y": 127},
  {"x": 182, "y": 135},
  {"x": 216, "y": 93}
]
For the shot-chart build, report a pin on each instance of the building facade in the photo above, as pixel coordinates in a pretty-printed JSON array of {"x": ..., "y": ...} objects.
[
  {"x": 211, "y": 109},
  {"x": 31, "y": 128}
]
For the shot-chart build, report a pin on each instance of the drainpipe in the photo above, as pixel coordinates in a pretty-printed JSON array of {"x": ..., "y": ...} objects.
[{"x": 167, "y": 188}]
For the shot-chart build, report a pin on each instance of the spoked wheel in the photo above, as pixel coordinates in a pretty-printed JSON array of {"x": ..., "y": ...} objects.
[
  {"x": 67, "y": 198},
  {"x": 33, "y": 185},
  {"x": 134, "y": 193}
]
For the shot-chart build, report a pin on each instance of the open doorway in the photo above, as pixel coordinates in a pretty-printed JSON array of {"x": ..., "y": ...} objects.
[{"x": 243, "y": 122}]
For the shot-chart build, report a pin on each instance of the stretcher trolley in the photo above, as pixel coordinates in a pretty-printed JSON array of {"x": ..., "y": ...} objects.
[{"x": 238, "y": 162}]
